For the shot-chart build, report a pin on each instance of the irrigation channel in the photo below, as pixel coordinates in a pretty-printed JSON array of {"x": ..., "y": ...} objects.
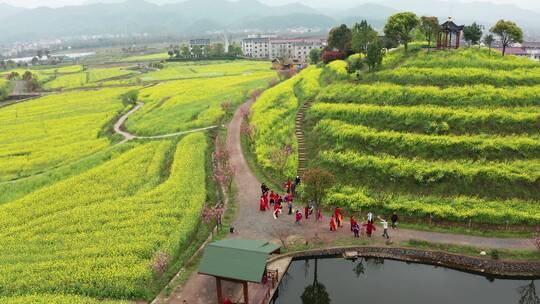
[{"x": 376, "y": 281}]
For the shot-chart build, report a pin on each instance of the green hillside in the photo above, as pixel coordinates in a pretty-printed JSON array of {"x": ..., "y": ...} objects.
[{"x": 452, "y": 135}]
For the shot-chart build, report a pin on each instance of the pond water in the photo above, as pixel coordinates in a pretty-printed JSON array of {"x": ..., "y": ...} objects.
[{"x": 373, "y": 281}]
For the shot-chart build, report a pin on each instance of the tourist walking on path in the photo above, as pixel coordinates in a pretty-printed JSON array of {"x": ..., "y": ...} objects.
[
  {"x": 353, "y": 222},
  {"x": 385, "y": 227},
  {"x": 298, "y": 216},
  {"x": 262, "y": 206},
  {"x": 370, "y": 217},
  {"x": 295, "y": 185},
  {"x": 289, "y": 200},
  {"x": 272, "y": 198},
  {"x": 277, "y": 211},
  {"x": 356, "y": 229},
  {"x": 306, "y": 212},
  {"x": 288, "y": 186},
  {"x": 369, "y": 228},
  {"x": 337, "y": 215},
  {"x": 264, "y": 189},
  {"x": 333, "y": 224},
  {"x": 394, "y": 220}
]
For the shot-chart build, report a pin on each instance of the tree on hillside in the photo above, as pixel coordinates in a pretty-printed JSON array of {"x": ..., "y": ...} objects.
[
  {"x": 170, "y": 53},
  {"x": 473, "y": 33},
  {"x": 39, "y": 54},
  {"x": 340, "y": 38},
  {"x": 315, "y": 55},
  {"x": 317, "y": 182},
  {"x": 375, "y": 54},
  {"x": 362, "y": 35},
  {"x": 400, "y": 26},
  {"x": 488, "y": 40},
  {"x": 429, "y": 27},
  {"x": 508, "y": 33},
  {"x": 329, "y": 56}
]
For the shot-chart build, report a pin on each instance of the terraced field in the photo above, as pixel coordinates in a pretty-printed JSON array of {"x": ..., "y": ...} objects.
[{"x": 431, "y": 139}]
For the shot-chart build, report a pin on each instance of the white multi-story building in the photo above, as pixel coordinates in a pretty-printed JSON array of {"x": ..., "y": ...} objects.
[
  {"x": 256, "y": 47},
  {"x": 272, "y": 48},
  {"x": 532, "y": 49}
]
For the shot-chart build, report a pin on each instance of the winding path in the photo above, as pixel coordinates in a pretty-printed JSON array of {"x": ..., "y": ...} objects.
[
  {"x": 253, "y": 224},
  {"x": 118, "y": 128}
]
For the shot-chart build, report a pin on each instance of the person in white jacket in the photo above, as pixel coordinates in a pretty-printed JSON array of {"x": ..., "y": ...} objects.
[{"x": 385, "y": 227}]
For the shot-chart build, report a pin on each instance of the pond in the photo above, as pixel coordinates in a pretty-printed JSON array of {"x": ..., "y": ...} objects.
[{"x": 373, "y": 280}]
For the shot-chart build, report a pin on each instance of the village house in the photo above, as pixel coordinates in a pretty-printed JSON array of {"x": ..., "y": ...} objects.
[
  {"x": 530, "y": 50},
  {"x": 274, "y": 48},
  {"x": 256, "y": 47},
  {"x": 198, "y": 42}
]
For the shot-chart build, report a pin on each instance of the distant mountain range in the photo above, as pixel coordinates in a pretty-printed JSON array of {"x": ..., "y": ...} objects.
[{"x": 194, "y": 17}]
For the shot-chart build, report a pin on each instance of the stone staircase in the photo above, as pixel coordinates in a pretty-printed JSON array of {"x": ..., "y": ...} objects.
[{"x": 302, "y": 149}]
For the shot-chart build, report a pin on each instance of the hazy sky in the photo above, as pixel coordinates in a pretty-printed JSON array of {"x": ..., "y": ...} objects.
[{"x": 528, "y": 4}]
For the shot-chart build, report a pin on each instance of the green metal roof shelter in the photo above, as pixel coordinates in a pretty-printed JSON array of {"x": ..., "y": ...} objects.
[{"x": 238, "y": 261}]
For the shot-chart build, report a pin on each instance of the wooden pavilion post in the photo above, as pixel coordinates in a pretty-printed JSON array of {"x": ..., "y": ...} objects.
[
  {"x": 219, "y": 291},
  {"x": 458, "y": 39},
  {"x": 445, "y": 40},
  {"x": 246, "y": 295}
]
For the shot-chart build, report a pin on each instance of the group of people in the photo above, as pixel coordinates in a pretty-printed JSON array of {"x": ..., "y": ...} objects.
[
  {"x": 366, "y": 227},
  {"x": 273, "y": 200}
]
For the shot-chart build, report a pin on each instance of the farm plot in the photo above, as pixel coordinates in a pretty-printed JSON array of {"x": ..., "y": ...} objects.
[
  {"x": 100, "y": 234},
  {"x": 88, "y": 78},
  {"x": 41, "y": 134},
  {"x": 188, "y": 104}
]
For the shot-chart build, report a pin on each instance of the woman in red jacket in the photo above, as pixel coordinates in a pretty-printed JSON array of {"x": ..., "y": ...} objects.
[
  {"x": 369, "y": 228},
  {"x": 333, "y": 223}
]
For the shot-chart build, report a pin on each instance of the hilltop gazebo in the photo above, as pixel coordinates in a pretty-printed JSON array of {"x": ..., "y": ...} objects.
[
  {"x": 449, "y": 36},
  {"x": 237, "y": 261}
]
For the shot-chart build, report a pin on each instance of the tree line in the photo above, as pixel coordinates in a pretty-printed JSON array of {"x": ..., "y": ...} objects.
[{"x": 401, "y": 29}]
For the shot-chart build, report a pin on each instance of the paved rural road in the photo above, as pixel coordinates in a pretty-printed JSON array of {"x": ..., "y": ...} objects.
[
  {"x": 254, "y": 224},
  {"x": 118, "y": 127}
]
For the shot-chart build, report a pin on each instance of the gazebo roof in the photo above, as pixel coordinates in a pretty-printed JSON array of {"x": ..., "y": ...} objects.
[
  {"x": 243, "y": 260},
  {"x": 451, "y": 26}
]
